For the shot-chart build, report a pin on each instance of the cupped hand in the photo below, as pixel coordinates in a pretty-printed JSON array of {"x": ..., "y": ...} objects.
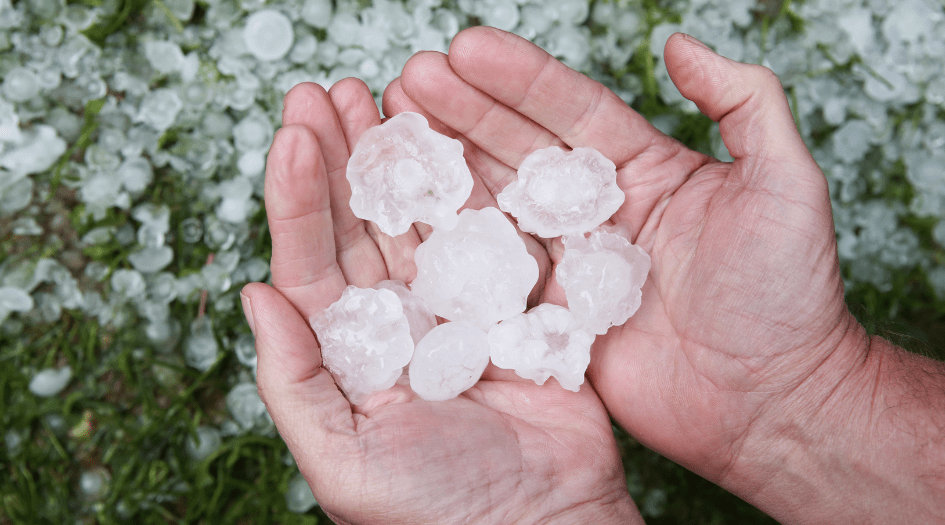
[
  {"x": 743, "y": 309},
  {"x": 505, "y": 451}
]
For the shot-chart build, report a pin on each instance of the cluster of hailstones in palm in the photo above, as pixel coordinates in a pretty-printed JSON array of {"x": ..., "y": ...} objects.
[{"x": 474, "y": 269}]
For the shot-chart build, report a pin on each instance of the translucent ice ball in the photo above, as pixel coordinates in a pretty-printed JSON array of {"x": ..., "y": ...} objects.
[{"x": 268, "y": 34}]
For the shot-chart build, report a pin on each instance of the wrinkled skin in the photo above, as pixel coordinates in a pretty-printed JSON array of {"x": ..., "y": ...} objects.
[{"x": 744, "y": 304}]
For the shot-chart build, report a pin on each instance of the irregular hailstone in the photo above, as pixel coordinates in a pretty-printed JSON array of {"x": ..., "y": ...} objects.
[
  {"x": 402, "y": 172},
  {"x": 365, "y": 340},
  {"x": 448, "y": 361},
  {"x": 547, "y": 341},
  {"x": 602, "y": 277},
  {"x": 419, "y": 316},
  {"x": 479, "y": 272},
  {"x": 562, "y": 193}
]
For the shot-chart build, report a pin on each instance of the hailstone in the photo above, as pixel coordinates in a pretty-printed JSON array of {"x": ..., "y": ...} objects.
[{"x": 448, "y": 361}]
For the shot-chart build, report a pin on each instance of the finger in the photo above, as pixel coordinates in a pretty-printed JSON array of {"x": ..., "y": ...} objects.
[
  {"x": 311, "y": 106},
  {"x": 303, "y": 263},
  {"x": 306, "y": 406},
  {"x": 522, "y": 76},
  {"x": 506, "y": 134},
  {"x": 746, "y": 100}
]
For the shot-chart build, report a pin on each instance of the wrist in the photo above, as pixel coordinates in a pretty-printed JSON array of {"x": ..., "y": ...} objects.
[{"x": 617, "y": 508}]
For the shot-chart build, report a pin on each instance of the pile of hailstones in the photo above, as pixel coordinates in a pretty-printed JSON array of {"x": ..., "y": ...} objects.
[{"x": 474, "y": 270}]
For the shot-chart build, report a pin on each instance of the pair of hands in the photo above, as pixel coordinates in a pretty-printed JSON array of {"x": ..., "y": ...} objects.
[{"x": 742, "y": 312}]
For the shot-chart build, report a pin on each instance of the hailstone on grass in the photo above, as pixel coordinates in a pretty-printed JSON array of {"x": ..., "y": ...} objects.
[
  {"x": 365, "y": 340},
  {"x": 448, "y": 361},
  {"x": 547, "y": 341},
  {"x": 602, "y": 276},
  {"x": 562, "y": 192},
  {"x": 478, "y": 272},
  {"x": 402, "y": 172}
]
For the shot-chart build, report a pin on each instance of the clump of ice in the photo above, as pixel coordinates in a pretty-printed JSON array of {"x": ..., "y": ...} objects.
[
  {"x": 298, "y": 495},
  {"x": 562, "y": 193},
  {"x": 448, "y": 361},
  {"x": 247, "y": 408},
  {"x": 478, "y": 272},
  {"x": 419, "y": 315},
  {"x": 50, "y": 381},
  {"x": 402, "y": 172},
  {"x": 602, "y": 276},
  {"x": 205, "y": 442},
  {"x": 547, "y": 341},
  {"x": 268, "y": 34},
  {"x": 365, "y": 340},
  {"x": 201, "y": 349}
]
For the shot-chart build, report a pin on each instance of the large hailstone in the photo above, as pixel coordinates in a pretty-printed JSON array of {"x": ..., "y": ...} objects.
[
  {"x": 419, "y": 316},
  {"x": 547, "y": 341},
  {"x": 365, "y": 340},
  {"x": 562, "y": 193},
  {"x": 602, "y": 277},
  {"x": 402, "y": 172},
  {"x": 448, "y": 361},
  {"x": 479, "y": 272}
]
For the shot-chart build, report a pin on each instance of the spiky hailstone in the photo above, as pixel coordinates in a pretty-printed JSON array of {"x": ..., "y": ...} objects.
[
  {"x": 479, "y": 272},
  {"x": 562, "y": 192},
  {"x": 602, "y": 276},
  {"x": 448, "y": 361},
  {"x": 547, "y": 341},
  {"x": 402, "y": 172},
  {"x": 365, "y": 340}
]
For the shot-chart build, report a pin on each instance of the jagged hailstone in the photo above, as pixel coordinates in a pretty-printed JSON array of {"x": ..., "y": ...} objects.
[
  {"x": 602, "y": 276},
  {"x": 402, "y": 172},
  {"x": 365, "y": 340},
  {"x": 562, "y": 192},
  {"x": 547, "y": 341},
  {"x": 448, "y": 361},
  {"x": 479, "y": 272},
  {"x": 419, "y": 316}
]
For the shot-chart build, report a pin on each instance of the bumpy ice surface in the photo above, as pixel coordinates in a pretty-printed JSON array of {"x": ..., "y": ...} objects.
[
  {"x": 365, "y": 340},
  {"x": 402, "y": 172},
  {"x": 448, "y": 361},
  {"x": 547, "y": 341},
  {"x": 602, "y": 277},
  {"x": 562, "y": 193},
  {"x": 479, "y": 272},
  {"x": 419, "y": 316}
]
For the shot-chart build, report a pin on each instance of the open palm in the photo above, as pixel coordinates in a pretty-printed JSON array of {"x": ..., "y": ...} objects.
[{"x": 506, "y": 451}]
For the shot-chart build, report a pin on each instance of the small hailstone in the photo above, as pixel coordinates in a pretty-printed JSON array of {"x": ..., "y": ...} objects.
[
  {"x": 562, "y": 193},
  {"x": 479, "y": 272},
  {"x": 206, "y": 442},
  {"x": 602, "y": 277},
  {"x": 419, "y": 316},
  {"x": 165, "y": 57},
  {"x": 547, "y": 341},
  {"x": 245, "y": 349},
  {"x": 151, "y": 259},
  {"x": 40, "y": 148},
  {"x": 93, "y": 483},
  {"x": 298, "y": 496},
  {"x": 317, "y": 13},
  {"x": 15, "y": 299},
  {"x": 201, "y": 349},
  {"x": 268, "y": 34},
  {"x": 159, "y": 108},
  {"x": 365, "y": 340},
  {"x": 136, "y": 173},
  {"x": 448, "y": 361},
  {"x": 247, "y": 408},
  {"x": 50, "y": 381},
  {"x": 402, "y": 172},
  {"x": 20, "y": 84}
]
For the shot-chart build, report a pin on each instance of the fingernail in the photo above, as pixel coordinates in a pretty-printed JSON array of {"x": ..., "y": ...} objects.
[
  {"x": 248, "y": 312},
  {"x": 696, "y": 41}
]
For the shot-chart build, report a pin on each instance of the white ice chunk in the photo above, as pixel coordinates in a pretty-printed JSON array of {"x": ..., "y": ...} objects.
[
  {"x": 151, "y": 259},
  {"x": 15, "y": 299},
  {"x": 205, "y": 442},
  {"x": 602, "y": 277},
  {"x": 403, "y": 171},
  {"x": 166, "y": 57},
  {"x": 479, "y": 272},
  {"x": 268, "y": 34},
  {"x": 159, "y": 108},
  {"x": 365, "y": 340},
  {"x": 50, "y": 381},
  {"x": 448, "y": 361},
  {"x": 20, "y": 84},
  {"x": 562, "y": 193},
  {"x": 39, "y": 150},
  {"x": 298, "y": 495},
  {"x": 247, "y": 408},
  {"x": 201, "y": 349},
  {"x": 547, "y": 341},
  {"x": 419, "y": 315}
]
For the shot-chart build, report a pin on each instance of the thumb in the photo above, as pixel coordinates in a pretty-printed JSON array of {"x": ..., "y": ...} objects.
[
  {"x": 746, "y": 100},
  {"x": 301, "y": 396}
]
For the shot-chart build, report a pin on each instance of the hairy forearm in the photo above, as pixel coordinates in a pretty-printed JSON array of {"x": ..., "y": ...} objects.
[{"x": 862, "y": 441}]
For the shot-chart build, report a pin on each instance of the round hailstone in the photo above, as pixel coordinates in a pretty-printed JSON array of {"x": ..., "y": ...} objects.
[
  {"x": 50, "y": 381},
  {"x": 562, "y": 193},
  {"x": 268, "y": 35},
  {"x": 448, "y": 361},
  {"x": 298, "y": 495},
  {"x": 547, "y": 341},
  {"x": 479, "y": 272},
  {"x": 205, "y": 442},
  {"x": 365, "y": 340},
  {"x": 602, "y": 277},
  {"x": 402, "y": 172},
  {"x": 20, "y": 84}
]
